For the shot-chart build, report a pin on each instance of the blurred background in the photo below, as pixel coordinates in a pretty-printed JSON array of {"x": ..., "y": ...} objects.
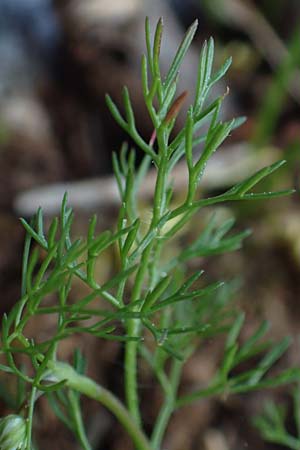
[{"x": 57, "y": 60}]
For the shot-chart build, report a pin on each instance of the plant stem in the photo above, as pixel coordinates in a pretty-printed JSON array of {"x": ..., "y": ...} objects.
[
  {"x": 30, "y": 418},
  {"x": 91, "y": 389},
  {"x": 76, "y": 413},
  {"x": 131, "y": 348},
  {"x": 168, "y": 406},
  {"x": 160, "y": 191},
  {"x": 133, "y": 325},
  {"x": 131, "y": 388},
  {"x": 210, "y": 391}
]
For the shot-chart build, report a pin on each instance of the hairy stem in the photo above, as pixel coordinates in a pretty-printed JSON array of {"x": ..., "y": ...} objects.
[
  {"x": 131, "y": 348},
  {"x": 133, "y": 325}
]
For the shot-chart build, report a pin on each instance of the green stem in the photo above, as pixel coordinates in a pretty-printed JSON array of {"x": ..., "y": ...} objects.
[
  {"x": 131, "y": 387},
  {"x": 160, "y": 191},
  {"x": 30, "y": 418},
  {"x": 76, "y": 413},
  {"x": 180, "y": 223},
  {"x": 25, "y": 259},
  {"x": 168, "y": 406},
  {"x": 133, "y": 325},
  {"x": 211, "y": 391},
  {"x": 131, "y": 348},
  {"x": 84, "y": 385},
  {"x": 154, "y": 270},
  {"x": 284, "y": 439}
]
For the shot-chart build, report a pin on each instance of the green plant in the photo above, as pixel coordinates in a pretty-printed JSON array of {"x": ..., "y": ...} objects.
[
  {"x": 150, "y": 295},
  {"x": 272, "y": 423}
]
